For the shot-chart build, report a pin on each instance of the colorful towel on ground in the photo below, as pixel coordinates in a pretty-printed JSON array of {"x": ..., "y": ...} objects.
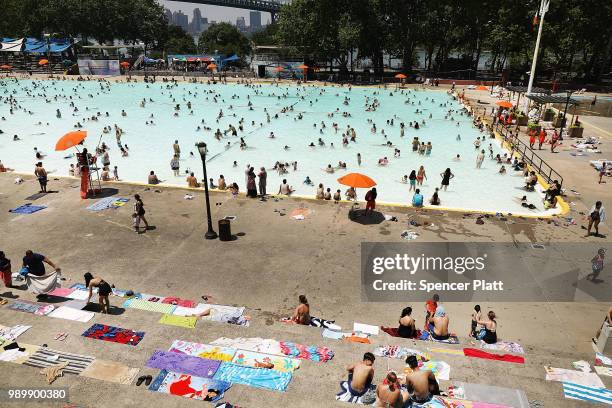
[
  {"x": 180, "y": 321},
  {"x": 149, "y": 306},
  {"x": 226, "y": 314},
  {"x": 507, "y": 346},
  {"x": 110, "y": 371},
  {"x": 508, "y": 358},
  {"x": 203, "y": 350},
  {"x": 573, "y": 376},
  {"x": 328, "y": 324},
  {"x": 584, "y": 393},
  {"x": 178, "y": 301},
  {"x": 447, "y": 351},
  {"x": 426, "y": 336},
  {"x": 394, "y": 332},
  {"x": 260, "y": 360},
  {"x": 27, "y": 209},
  {"x": 266, "y": 346},
  {"x": 113, "y": 334},
  {"x": 401, "y": 353},
  {"x": 61, "y": 292},
  {"x": 601, "y": 370},
  {"x": 31, "y": 307},
  {"x": 78, "y": 294},
  {"x": 601, "y": 359},
  {"x": 42, "y": 284},
  {"x": 68, "y": 313},
  {"x": 318, "y": 354},
  {"x": 345, "y": 394},
  {"x": 76, "y": 362},
  {"x": 440, "y": 369},
  {"x": 188, "y": 311},
  {"x": 334, "y": 335},
  {"x": 188, "y": 386},
  {"x": 183, "y": 363},
  {"x": 19, "y": 357},
  {"x": 10, "y": 333},
  {"x": 253, "y": 377},
  {"x": 108, "y": 202},
  {"x": 489, "y": 394}
]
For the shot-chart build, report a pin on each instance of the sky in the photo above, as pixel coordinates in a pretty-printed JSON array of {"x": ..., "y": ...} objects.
[{"x": 212, "y": 12}]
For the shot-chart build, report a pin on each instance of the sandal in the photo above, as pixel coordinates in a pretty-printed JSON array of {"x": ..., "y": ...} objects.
[
  {"x": 140, "y": 380},
  {"x": 148, "y": 380},
  {"x": 3, "y": 301}
]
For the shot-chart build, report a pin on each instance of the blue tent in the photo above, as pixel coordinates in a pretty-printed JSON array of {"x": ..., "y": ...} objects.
[{"x": 232, "y": 58}]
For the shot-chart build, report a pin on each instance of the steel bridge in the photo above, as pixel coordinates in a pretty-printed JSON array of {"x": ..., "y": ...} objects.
[{"x": 268, "y": 6}]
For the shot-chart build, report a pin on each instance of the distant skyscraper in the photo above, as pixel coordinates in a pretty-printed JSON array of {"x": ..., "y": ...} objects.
[
  {"x": 196, "y": 21},
  {"x": 241, "y": 24},
  {"x": 168, "y": 15},
  {"x": 180, "y": 19},
  {"x": 255, "y": 20}
]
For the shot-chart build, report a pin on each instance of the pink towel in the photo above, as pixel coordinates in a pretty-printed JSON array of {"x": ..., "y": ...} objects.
[
  {"x": 178, "y": 301},
  {"x": 61, "y": 292}
]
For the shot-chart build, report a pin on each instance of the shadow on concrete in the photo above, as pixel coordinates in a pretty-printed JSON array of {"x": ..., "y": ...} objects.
[
  {"x": 371, "y": 219},
  {"x": 104, "y": 192}
]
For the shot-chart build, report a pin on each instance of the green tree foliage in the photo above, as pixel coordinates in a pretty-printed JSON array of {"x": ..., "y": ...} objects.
[
  {"x": 225, "y": 39},
  {"x": 179, "y": 42}
]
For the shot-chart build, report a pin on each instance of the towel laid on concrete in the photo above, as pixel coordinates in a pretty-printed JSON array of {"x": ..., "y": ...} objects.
[
  {"x": 110, "y": 371},
  {"x": 183, "y": 363},
  {"x": 180, "y": 321},
  {"x": 189, "y": 386},
  {"x": 208, "y": 351},
  {"x": 253, "y": 377},
  {"x": 472, "y": 352},
  {"x": 260, "y": 360}
]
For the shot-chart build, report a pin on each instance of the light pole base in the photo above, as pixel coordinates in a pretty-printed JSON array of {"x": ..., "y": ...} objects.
[{"x": 210, "y": 234}]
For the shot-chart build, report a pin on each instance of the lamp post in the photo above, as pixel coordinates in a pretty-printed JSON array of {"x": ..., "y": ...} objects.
[
  {"x": 210, "y": 234},
  {"x": 543, "y": 9}
]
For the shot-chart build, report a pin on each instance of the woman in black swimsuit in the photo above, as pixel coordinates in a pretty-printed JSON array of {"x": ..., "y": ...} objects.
[
  {"x": 406, "y": 327},
  {"x": 490, "y": 329},
  {"x": 104, "y": 289}
]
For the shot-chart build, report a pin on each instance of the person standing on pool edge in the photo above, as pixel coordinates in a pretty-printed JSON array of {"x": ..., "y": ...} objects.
[
  {"x": 139, "y": 214},
  {"x": 370, "y": 198},
  {"x": 41, "y": 174}
]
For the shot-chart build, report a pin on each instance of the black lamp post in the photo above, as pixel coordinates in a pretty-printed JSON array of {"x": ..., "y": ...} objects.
[{"x": 210, "y": 234}]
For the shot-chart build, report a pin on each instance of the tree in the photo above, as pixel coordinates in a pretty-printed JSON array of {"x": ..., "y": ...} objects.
[
  {"x": 267, "y": 36},
  {"x": 179, "y": 41},
  {"x": 225, "y": 39}
]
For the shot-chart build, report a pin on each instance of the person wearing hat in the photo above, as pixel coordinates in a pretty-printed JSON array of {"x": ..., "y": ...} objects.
[{"x": 438, "y": 324}]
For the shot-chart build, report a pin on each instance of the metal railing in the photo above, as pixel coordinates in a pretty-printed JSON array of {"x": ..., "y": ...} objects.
[{"x": 528, "y": 155}]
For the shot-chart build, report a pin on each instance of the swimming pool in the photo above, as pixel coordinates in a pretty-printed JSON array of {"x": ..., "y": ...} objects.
[{"x": 150, "y": 146}]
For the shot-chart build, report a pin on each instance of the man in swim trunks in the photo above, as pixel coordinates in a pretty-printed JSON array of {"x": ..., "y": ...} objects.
[
  {"x": 421, "y": 384},
  {"x": 440, "y": 321},
  {"x": 361, "y": 375},
  {"x": 389, "y": 393}
]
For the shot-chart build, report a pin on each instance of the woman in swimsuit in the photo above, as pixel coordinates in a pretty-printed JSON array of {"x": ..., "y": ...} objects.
[
  {"x": 421, "y": 175},
  {"x": 104, "y": 289},
  {"x": 406, "y": 327},
  {"x": 490, "y": 329},
  {"x": 446, "y": 176},
  {"x": 413, "y": 179}
]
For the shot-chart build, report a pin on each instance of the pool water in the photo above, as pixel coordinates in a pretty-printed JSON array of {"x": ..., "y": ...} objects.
[{"x": 150, "y": 146}]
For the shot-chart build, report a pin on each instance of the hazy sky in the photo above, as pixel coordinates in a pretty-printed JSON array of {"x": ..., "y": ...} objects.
[{"x": 212, "y": 12}]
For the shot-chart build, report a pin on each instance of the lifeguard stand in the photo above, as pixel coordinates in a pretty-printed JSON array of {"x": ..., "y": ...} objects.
[{"x": 90, "y": 176}]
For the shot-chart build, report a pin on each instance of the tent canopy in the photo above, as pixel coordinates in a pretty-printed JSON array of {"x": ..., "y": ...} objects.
[{"x": 542, "y": 99}]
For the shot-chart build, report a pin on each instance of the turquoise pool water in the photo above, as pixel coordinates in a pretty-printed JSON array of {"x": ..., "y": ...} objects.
[{"x": 150, "y": 146}]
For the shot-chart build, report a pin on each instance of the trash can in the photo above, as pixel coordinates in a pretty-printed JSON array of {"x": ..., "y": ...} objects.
[{"x": 225, "y": 230}]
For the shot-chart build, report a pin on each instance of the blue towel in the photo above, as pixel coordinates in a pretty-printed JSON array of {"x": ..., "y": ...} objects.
[
  {"x": 253, "y": 377},
  {"x": 27, "y": 209}
]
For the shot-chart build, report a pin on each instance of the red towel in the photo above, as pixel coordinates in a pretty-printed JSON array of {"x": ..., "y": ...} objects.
[{"x": 509, "y": 358}]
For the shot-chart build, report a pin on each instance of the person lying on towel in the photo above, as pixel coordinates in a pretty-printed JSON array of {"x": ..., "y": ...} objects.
[
  {"x": 361, "y": 375},
  {"x": 422, "y": 384},
  {"x": 438, "y": 324}
]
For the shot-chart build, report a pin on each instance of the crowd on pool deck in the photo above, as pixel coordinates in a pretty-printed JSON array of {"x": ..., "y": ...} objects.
[{"x": 254, "y": 181}]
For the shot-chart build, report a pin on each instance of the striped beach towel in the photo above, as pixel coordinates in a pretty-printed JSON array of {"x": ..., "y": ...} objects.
[
  {"x": 76, "y": 362},
  {"x": 584, "y": 393},
  {"x": 149, "y": 306}
]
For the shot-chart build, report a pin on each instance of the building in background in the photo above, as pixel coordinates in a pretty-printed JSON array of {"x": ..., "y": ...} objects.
[
  {"x": 254, "y": 21},
  {"x": 241, "y": 24},
  {"x": 180, "y": 19}
]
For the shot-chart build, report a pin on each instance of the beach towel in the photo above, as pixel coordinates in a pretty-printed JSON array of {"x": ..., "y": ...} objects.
[
  {"x": 573, "y": 376},
  {"x": 401, "y": 353},
  {"x": 260, "y": 360},
  {"x": 601, "y": 359},
  {"x": 507, "y": 346},
  {"x": 267, "y": 346},
  {"x": 328, "y": 324},
  {"x": 108, "y": 202},
  {"x": 10, "y": 333},
  {"x": 61, "y": 292},
  {"x": 472, "y": 352},
  {"x": 345, "y": 394},
  {"x": 180, "y": 321},
  {"x": 183, "y": 363},
  {"x": 187, "y": 311},
  {"x": 46, "y": 357},
  {"x": 226, "y": 314},
  {"x": 80, "y": 286},
  {"x": 365, "y": 328},
  {"x": 188, "y": 386},
  {"x": 113, "y": 334},
  {"x": 68, "y": 313},
  {"x": 40, "y": 309},
  {"x": 203, "y": 350},
  {"x": 458, "y": 403},
  {"x": 440, "y": 369},
  {"x": 447, "y": 351},
  {"x": 149, "y": 306},
  {"x": 334, "y": 335},
  {"x": 253, "y": 377},
  {"x": 27, "y": 209},
  {"x": 353, "y": 338},
  {"x": 452, "y": 339},
  {"x": 491, "y": 394},
  {"x": 607, "y": 371},
  {"x": 178, "y": 301},
  {"x": 394, "y": 332},
  {"x": 318, "y": 354},
  {"x": 78, "y": 294},
  {"x": 584, "y": 393},
  {"x": 17, "y": 356},
  {"x": 42, "y": 284},
  {"x": 110, "y": 371}
]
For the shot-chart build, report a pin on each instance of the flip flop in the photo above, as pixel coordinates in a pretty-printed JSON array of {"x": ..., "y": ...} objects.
[
  {"x": 3, "y": 301},
  {"x": 148, "y": 380},
  {"x": 140, "y": 380}
]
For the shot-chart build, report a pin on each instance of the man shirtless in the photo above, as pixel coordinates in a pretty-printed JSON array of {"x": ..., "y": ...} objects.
[
  {"x": 361, "y": 375},
  {"x": 302, "y": 312},
  {"x": 192, "y": 181},
  {"x": 389, "y": 393},
  {"x": 438, "y": 324},
  {"x": 421, "y": 384}
]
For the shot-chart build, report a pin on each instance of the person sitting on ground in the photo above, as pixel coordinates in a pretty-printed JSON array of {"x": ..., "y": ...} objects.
[
  {"x": 337, "y": 196},
  {"x": 221, "y": 183},
  {"x": 406, "y": 328},
  {"x": 104, "y": 289},
  {"x": 301, "y": 315},
  {"x": 438, "y": 324},
  {"x": 361, "y": 375},
  {"x": 320, "y": 192},
  {"x": 389, "y": 393},
  {"x": 351, "y": 194},
  {"x": 233, "y": 188},
  {"x": 435, "y": 199},
  {"x": 153, "y": 178},
  {"x": 488, "y": 333},
  {"x": 327, "y": 195},
  {"x": 105, "y": 174},
  {"x": 417, "y": 198},
  {"x": 285, "y": 188},
  {"x": 192, "y": 181},
  {"x": 422, "y": 384},
  {"x": 4, "y": 169}
]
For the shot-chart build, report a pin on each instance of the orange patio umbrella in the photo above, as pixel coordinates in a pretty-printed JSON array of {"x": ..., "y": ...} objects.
[
  {"x": 70, "y": 139},
  {"x": 482, "y": 88},
  {"x": 504, "y": 104},
  {"x": 357, "y": 180},
  {"x": 43, "y": 62},
  {"x": 400, "y": 76}
]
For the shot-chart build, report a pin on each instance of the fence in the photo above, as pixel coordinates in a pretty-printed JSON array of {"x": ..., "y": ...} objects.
[{"x": 528, "y": 155}]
